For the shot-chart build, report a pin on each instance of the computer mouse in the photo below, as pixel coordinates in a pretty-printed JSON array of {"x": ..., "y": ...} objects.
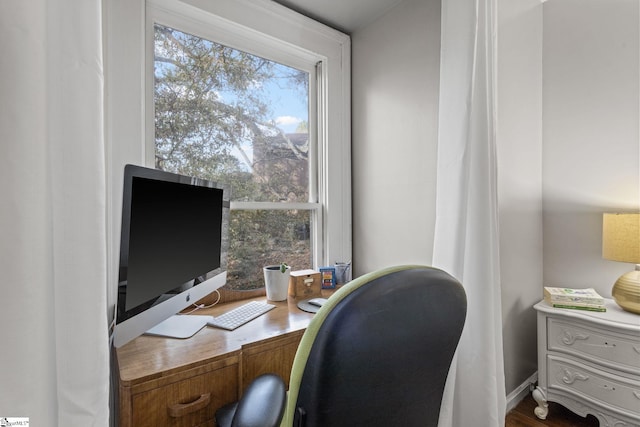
[{"x": 318, "y": 302}]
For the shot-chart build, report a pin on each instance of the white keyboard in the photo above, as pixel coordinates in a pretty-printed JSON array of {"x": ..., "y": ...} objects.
[{"x": 240, "y": 315}]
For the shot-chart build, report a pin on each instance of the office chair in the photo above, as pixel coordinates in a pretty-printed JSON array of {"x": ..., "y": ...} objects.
[{"x": 376, "y": 354}]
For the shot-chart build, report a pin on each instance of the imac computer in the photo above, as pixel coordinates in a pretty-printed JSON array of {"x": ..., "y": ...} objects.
[{"x": 173, "y": 246}]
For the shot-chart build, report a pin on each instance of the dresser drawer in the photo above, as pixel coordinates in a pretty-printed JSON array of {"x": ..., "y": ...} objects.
[
  {"x": 186, "y": 403},
  {"x": 568, "y": 376},
  {"x": 612, "y": 349}
]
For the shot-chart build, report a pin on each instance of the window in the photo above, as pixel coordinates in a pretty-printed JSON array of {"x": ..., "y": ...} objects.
[{"x": 229, "y": 104}]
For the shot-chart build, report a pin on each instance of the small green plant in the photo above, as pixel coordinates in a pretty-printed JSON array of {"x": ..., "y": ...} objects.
[{"x": 283, "y": 267}]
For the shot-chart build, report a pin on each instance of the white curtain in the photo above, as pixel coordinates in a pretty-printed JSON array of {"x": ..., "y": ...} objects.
[
  {"x": 54, "y": 365},
  {"x": 466, "y": 233}
]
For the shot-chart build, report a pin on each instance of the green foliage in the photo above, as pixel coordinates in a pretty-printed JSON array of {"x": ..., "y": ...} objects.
[{"x": 197, "y": 127}]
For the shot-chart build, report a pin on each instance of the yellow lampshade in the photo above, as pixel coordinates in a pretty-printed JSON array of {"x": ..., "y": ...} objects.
[
  {"x": 621, "y": 242},
  {"x": 621, "y": 237}
]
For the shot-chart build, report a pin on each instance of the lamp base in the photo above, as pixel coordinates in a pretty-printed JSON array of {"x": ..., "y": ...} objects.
[{"x": 626, "y": 291}]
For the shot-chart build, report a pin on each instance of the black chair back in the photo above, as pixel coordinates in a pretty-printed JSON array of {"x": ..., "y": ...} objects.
[{"x": 383, "y": 352}]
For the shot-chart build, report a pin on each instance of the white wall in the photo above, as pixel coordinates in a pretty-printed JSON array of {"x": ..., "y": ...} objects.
[
  {"x": 395, "y": 100},
  {"x": 395, "y": 64},
  {"x": 124, "y": 115},
  {"x": 519, "y": 148},
  {"x": 591, "y": 143}
]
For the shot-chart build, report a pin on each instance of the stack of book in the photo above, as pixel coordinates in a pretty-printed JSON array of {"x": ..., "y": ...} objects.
[{"x": 579, "y": 299}]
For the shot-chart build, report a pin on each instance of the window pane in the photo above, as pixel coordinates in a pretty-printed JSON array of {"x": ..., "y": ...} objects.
[
  {"x": 229, "y": 116},
  {"x": 232, "y": 117},
  {"x": 266, "y": 237}
]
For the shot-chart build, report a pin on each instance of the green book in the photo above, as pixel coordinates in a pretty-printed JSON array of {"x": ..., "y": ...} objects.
[{"x": 582, "y": 307}]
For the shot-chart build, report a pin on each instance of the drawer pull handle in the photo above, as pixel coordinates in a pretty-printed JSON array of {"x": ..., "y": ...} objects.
[
  {"x": 178, "y": 410},
  {"x": 571, "y": 377},
  {"x": 569, "y": 338}
]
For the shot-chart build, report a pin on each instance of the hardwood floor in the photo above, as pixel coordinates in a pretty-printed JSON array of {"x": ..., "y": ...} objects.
[{"x": 523, "y": 416}]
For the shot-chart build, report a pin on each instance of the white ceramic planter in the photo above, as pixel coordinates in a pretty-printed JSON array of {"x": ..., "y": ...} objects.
[{"x": 276, "y": 282}]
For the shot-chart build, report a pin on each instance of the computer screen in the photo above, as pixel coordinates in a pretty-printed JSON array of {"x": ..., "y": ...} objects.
[{"x": 173, "y": 245}]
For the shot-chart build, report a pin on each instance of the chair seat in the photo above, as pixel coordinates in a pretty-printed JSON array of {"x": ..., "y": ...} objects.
[{"x": 262, "y": 405}]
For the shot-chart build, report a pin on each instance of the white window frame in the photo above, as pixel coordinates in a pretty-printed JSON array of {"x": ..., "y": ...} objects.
[{"x": 260, "y": 27}]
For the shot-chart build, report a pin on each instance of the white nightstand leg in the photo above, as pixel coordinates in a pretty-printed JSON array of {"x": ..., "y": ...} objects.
[{"x": 542, "y": 409}]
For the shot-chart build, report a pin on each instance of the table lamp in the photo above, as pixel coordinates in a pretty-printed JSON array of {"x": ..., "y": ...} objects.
[{"x": 621, "y": 242}]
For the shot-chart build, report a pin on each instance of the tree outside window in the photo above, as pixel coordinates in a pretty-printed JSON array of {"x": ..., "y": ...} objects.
[{"x": 233, "y": 117}]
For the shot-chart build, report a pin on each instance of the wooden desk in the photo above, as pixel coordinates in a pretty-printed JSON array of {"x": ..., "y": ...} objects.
[{"x": 174, "y": 382}]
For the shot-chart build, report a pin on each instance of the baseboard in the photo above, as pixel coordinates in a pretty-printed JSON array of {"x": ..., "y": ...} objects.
[{"x": 521, "y": 391}]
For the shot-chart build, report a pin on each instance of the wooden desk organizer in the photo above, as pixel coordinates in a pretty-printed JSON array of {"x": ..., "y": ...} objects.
[{"x": 305, "y": 284}]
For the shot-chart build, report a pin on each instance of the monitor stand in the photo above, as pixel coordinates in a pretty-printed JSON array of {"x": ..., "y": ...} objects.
[{"x": 179, "y": 326}]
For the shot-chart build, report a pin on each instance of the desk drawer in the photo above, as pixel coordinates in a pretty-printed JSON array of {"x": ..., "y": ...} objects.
[
  {"x": 187, "y": 403},
  {"x": 612, "y": 349},
  {"x": 274, "y": 356},
  {"x": 612, "y": 391}
]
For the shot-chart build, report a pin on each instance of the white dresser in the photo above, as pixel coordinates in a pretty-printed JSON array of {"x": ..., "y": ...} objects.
[{"x": 589, "y": 362}]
